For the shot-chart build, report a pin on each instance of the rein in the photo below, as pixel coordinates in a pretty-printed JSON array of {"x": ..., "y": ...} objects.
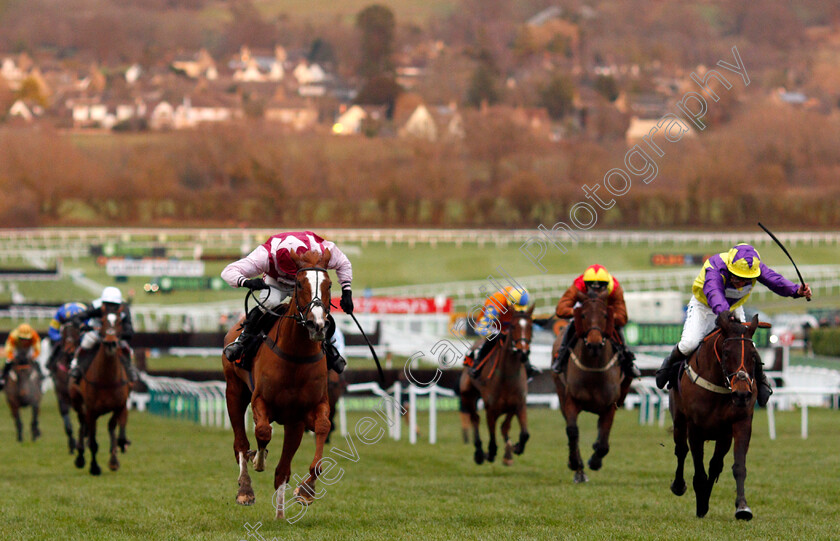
[{"x": 700, "y": 381}]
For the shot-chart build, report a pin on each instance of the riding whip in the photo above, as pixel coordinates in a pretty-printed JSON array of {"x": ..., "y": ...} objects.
[
  {"x": 772, "y": 236},
  {"x": 375, "y": 358}
]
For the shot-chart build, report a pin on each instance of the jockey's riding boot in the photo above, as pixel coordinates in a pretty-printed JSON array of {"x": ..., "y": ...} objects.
[
  {"x": 530, "y": 370},
  {"x": 482, "y": 352},
  {"x": 663, "y": 375},
  {"x": 6, "y": 368},
  {"x": 75, "y": 371},
  {"x": 335, "y": 361},
  {"x": 627, "y": 365},
  {"x": 250, "y": 329},
  {"x": 130, "y": 370},
  {"x": 558, "y": 365},
  {"x": 764, "y": 389}
]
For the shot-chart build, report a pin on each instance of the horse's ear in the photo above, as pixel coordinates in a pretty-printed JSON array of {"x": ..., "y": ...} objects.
[
  {"x": 753, "y": 325},
  {"x": 581, "y": 296},
  {"x": 531, "y": 309},
  {"x": 325, "y": 258},
  {"x": 723, "y": 319},
  {"x": 293, "y": 255}
]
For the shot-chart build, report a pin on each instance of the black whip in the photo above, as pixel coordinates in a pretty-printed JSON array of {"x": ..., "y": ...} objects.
[
  {"x": 375, "y": 358},
  {"x": 782, "y": 246}
]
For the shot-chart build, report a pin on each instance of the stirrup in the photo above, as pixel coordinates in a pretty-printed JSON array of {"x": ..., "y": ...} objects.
[{"x": 235, "y": 349}]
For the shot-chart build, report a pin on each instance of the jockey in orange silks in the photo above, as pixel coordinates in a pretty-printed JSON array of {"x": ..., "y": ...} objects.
[{"x": 494, "y": 322}]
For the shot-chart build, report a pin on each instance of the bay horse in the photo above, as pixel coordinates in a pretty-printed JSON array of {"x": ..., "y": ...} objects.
[
  {"x": 592, "y": 379},
  {"x": 104, "y": 388},
  {"x": 287, "y": 385},
  {"x": 714, "y": 400},
  {"x": 60, "y": 373},
  {"x": 503, "y": 386},
  {"x": 24, "y": 389}
]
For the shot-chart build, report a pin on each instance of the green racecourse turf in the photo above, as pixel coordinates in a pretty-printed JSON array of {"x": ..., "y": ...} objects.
[{"x": 178, "y": 482}]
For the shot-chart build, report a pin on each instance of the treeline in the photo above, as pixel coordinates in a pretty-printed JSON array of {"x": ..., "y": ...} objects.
[{"x": 770, "y": 160}]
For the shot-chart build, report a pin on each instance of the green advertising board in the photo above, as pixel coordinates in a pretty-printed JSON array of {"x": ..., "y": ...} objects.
[
  {"x": 661, "y": 334},
  {"x": 189, "y": 283}
]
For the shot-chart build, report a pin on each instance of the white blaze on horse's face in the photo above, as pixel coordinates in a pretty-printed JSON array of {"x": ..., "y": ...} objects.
[
  {"x": 112, "y": 322},
  {"x": 317, "y": 315}
]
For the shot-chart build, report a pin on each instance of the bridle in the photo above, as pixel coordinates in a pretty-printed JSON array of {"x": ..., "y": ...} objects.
[
  {"x": 585, "y": 334},
  {"x": 523, "y": 343},
  {"x": 729, "y": 380},
  {"x": 303, "y": 312}
]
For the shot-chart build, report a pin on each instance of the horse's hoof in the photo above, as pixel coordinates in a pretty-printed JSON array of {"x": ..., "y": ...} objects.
[
  {"x": 744, "y": 513},
  {"x": 245, "y": 498},
  {"x": 490, "y": 458},
  {"x": 595, "y": 463},
  {"x": 507, "y": 461},
  {"x": 123, "y": 444},
  {"x": 678, "y": 490},
  {"x": 580, "y": 477},
  {"x": 72, "y": 445},
  {"x": 80, "y": 462},
  {"x": 301, "y": 497},
  {"x": 702, "y": 510},
  {"x": 95, "y": 469},
  {"x": 114, "y": 466},
  {"x": 478, "y": 456}
]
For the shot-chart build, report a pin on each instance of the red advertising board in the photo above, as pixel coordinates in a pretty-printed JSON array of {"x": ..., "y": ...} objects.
[{"x": 399, "y": 305}]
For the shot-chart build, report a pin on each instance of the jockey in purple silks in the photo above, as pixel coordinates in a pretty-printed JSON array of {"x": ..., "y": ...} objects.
[{"x": 725, "y": 283}]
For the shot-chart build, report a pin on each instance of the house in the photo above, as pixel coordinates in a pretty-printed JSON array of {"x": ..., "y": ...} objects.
[
  {"x": 259, "y": 66},
  {"x": 25, "y": 110},
  {"x": 196, "y": 66},
  {"x": 162, "y": 116},
  {"x": 350, "y": 121},
  {"x": 309, "y": 74},
  {"x": 441, "y": 122},
  {"x": 297, "y": 116},
  {"x": 655, "y": 127}
]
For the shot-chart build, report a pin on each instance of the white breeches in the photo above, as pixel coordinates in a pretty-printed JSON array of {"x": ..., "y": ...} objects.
[
  {"x": 271, "y": 297},
  {"x": 700, "y": 321}
]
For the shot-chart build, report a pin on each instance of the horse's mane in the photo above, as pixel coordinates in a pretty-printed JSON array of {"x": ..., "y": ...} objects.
[{"x": 311, "y": 258}]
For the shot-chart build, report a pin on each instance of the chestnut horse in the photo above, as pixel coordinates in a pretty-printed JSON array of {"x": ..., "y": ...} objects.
[
  {"x": 714, "y": 401},
  {"x": 69, "y": 342},
  {"x": 503, "y": 387},
  {"x": 24, "y": 389},
  {"x": 592, "y": 379},
  {"x": 287, "y": 385},
  {"x": 103, "y": 389}
]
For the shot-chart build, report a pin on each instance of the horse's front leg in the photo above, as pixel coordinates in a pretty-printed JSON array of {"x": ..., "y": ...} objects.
[
  {"x": 491, "y": 428},
  {"x": 92, "y": 445},
  {"x": 319, "y": 419},
  {"x": 507, "y": 459},
  {"x": 678, "y": 486},
  {"x": 113, "y": 462},
  {"x": 700, "y": 481},
  {"x": 262, "y": 430},
  {"x": 80, "y": 441},
  {"x": 123, "y": 441},
  {"x": 602, "y": 445},
  {"x": 15, "y": 411},
  {"x": 237, "y": 398},
  {"x": 36, "y": 431},
  {"x": 570, "y": 412},
  {"x": 469, "y": 409},
  {"x": 64, "y": 410},
  {"x": 524, "y": 435},
  {"x": 292, "y": 434},
  {"x": 742, "y": 432}
]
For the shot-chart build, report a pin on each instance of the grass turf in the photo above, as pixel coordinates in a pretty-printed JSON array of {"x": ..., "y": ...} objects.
[{"x": 178, "y": 481}]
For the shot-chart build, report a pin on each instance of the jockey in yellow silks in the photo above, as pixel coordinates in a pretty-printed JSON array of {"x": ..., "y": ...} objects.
[
  {"x": 725, "y": 283},
  {"x": 22, "y": 340}
]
